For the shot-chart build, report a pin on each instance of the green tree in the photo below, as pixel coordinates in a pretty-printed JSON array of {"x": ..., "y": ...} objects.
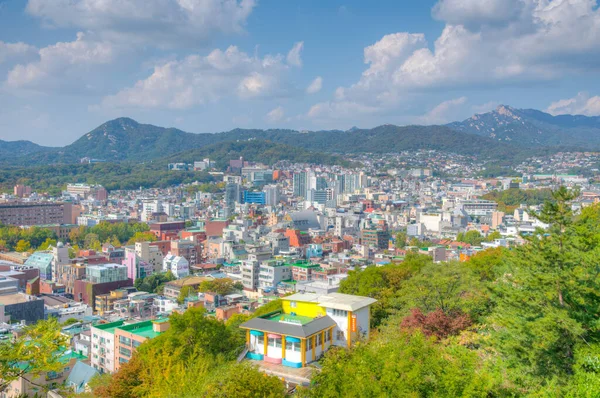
[
  {"x": 35, "y": 352},
  {"x": 400, "y": 240},
  {"x": 142, "y": 237},
  {"x": 400, "y": 364},
  {"x": 184, "y": 293},
  {"x": 92, "y": 242},
  {"x": 23, "y": 246},
  {"x": 47, "y": 243},
  {"x": 548, "y": 296}
]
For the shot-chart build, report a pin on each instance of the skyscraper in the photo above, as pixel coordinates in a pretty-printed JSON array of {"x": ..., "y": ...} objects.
[{"x": 300, "y": 184}]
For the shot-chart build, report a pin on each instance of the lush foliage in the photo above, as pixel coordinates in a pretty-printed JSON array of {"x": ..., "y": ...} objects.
[
  {"x": 35, "y": 352},
  {"x": 520, "y": 322},
  {"x": 509, "y": 199},
  {"x": 195, "y": 357},
  {"x": 24, "y": 239},
  {"x": 105, "y": 232},
  {"x": 154, "y": 283}
]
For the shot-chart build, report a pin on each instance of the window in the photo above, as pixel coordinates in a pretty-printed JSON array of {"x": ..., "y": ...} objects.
[
  {"x": 125, "y": 351},
  {"x": 278, "y": 343},
  {"x": 297, "y": 347},
  {"x": 340, "y": 313},
  {"x": 123, "y": 360},
  {"x": 136, "y": 343},
  {"x": 326, "y": 336},
  {"x": 289, "y": 345},
  {"x": 339, "y": 335},
  {"x": 125, "y": 340},
  {"x": 293, "y": 304},
  {"x": 318, "y": 339},
  {"x": 309, "y": 345},
  {"x": 260, "y": 339}
]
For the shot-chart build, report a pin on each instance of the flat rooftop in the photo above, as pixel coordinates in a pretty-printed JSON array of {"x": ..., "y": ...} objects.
[
  {"x": 346, "y": 302},
  {"x": 16, "y": 298},
  {"x": 109, "y": 327},
  {"x": 287, "y": 318}
]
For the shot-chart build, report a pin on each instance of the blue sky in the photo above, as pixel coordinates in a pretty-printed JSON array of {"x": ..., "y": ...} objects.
[{"x": 67, "y": 66}]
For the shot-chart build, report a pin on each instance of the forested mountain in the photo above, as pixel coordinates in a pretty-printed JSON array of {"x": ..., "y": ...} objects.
[
  {"x": 530, "y": 127},
  {"x": 12, "y": 149},
  {"x": 124, "y": 139},
  {"x": 505, "y": 134}
]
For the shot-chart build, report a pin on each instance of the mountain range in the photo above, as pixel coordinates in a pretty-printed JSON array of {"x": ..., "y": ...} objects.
[
  {"x": 504, "y": 133},
  {"x": 533, "y": 128}
]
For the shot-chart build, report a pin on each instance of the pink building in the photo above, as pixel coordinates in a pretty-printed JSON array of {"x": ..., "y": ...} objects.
[{"x": 136, "y": 267}]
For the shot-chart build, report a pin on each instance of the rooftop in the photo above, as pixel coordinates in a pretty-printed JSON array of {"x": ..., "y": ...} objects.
[
  {"x": 339, "y": 301},
  {"x": 143, "y": 329},
  {"x": 109, "y": 327}
]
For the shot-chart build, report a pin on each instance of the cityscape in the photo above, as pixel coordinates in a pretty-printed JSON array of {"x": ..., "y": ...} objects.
[{"x": 450, "y": 250}]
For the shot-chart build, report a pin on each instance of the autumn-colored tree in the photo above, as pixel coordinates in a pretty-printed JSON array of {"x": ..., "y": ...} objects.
[
  {"x": 23, "y": 246},
  {"x": 142, "y": 237},
  {"x": 437, "y": 323},
  {"x": 33, "y": 353}
]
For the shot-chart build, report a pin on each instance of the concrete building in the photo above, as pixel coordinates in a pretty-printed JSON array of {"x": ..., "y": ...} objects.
[
  {"x": 20, "y": 307},
  {"x": 129, "y": 337},
  {"x": 34, "y": 213},
  {"x": 272, "y": 272},
  {"x": 179, "y": 266}
]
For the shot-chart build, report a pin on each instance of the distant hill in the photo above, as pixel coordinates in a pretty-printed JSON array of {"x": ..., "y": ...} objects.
[
  {"x": 13, "y": 149},
  {"x": 505, "y": 134},
  {"x": 267, "y": 152},
  {"x": 530, "y": 127}
]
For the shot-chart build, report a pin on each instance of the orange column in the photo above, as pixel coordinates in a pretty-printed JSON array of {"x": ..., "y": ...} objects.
[
  {"x": 323, "y": 341},
  {"x": 265, "y": 345},
  {"x": 303, "y": 351},
  {"x": 248, "y": 338},
  {"x": 349, "y": 328},
  {"x": 282, "y": 347},
  {"x": 314, "y": 346}
]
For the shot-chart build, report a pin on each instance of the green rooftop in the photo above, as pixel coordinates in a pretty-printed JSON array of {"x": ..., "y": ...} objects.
[
  {"x": 109, "y": 327},
  {"x": 143, "y": 329},
  {"x": 287, "y": 318}
]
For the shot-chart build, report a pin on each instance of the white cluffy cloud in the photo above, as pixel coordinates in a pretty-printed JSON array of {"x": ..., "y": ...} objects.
[
  {"x": 315, "y": 86},
  {"x": 163, "y": 22},
  {"x": 581, "y": 104},
  {"x": 484, "y": 42},
  {"x": 60, "y": 62},
  {"x": 275, "y": 115},
  {"x": 197, "y": 79}
]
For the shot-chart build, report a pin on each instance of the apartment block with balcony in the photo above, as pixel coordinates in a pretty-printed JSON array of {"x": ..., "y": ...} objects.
[
  {"x": 129, "y": 337},
  {"x": 272, "y": 272},
  {"x": 103, "y": 346}
]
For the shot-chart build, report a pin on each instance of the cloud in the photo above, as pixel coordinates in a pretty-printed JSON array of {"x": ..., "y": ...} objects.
[
  {"x": 197, "y": 80},
  {"x": 11, "y": 52},
  {"x": 315, "y": 86},
  {"x": 477, "y": 12},
  {"x": 294, "y": 55},
  {"x": 581, "y": 104},
  {"x": 275, "y": 115},
  {"x": 485, "y": 43},
  {"x": 61, "y": 63},
  {"x": 168, "y": 23},
  {"x": 443, "y": 113}
]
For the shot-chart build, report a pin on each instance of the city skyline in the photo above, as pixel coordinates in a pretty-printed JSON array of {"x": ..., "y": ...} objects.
[{"x": 66, "y": 67}]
